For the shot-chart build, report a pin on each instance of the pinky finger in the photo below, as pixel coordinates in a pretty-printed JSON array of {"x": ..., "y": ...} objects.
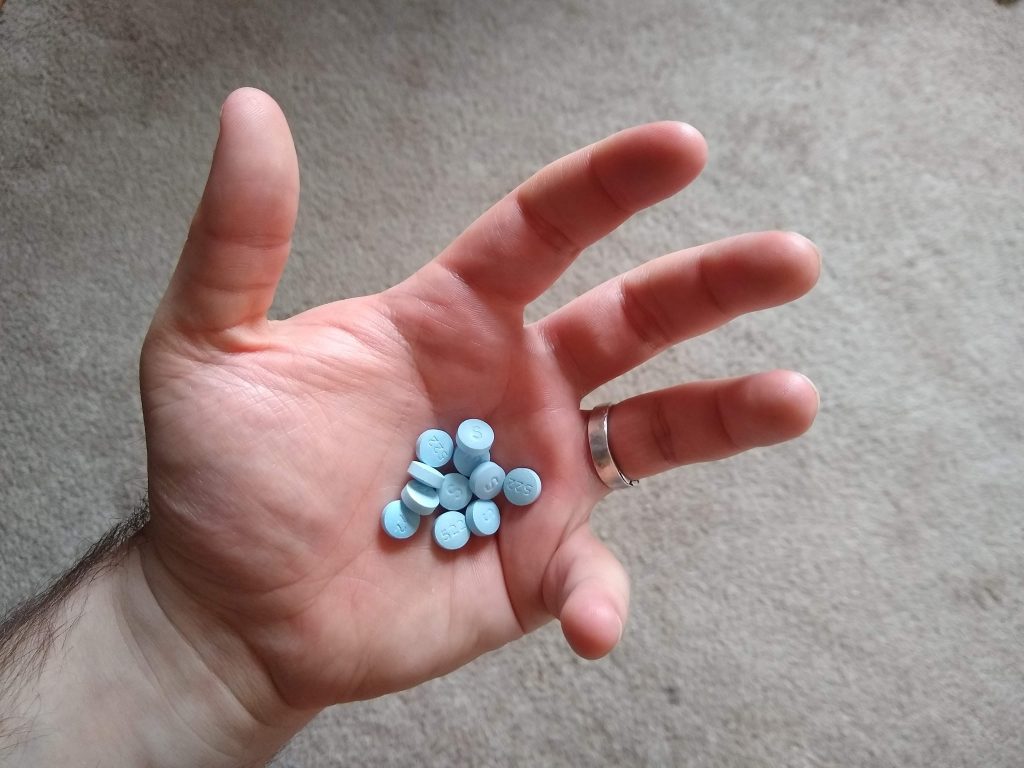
[
  {"x": 587, "y": 588},
  {"x": 708, "y": 420}
]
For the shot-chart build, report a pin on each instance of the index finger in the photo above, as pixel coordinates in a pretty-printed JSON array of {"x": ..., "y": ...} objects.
[{"x": 519, "y": 247}]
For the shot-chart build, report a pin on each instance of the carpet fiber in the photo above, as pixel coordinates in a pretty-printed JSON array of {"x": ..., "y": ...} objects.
[{"x": 854, "y": 598}]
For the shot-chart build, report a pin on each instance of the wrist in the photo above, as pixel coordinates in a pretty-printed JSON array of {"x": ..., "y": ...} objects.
[
  {"x": 220, "y": 691},
  {"x": 137, "y": 676}
]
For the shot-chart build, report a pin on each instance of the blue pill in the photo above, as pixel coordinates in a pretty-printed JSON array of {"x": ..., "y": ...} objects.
[
  {"x": 398, "y": 521},
  {"x": 486, "y": 480},
  {"x": 474, "y": 436},
  {"x": 426, "y": 475},
  {"x": 482, "y": 517},
  {"x": 450, "y": 530},
  {"x": 467, "y": 462},
  {"x": 522, "y": 486},
  {"x": 454, "y": 493},
  {"x": 434, "y": 448},
  {"x": 420, "y": 498}
]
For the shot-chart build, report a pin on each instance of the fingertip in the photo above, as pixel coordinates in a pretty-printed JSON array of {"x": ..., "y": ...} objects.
[
  {"x": 256, "y": 133},
  {"x": 786, "y": 403},
  {"x": 783, "y": 266},
  {"x": 591, "y": 624},
  {"x": 247, "y": 101},
  {"x": 588, "y": 590},
  {"x": 679, "y": 151},
  {"x": 253, "y": 189},
  {"x": 804, "y": 260},
  {"x": 695, "y": 143},
  {"x": 768, "y": 408},
  {"x": 817, "y": 393},
  {"x": 645, "y": 164}
]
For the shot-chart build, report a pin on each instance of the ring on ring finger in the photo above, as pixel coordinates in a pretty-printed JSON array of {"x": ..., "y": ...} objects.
[{"x": 601, "y": 453}]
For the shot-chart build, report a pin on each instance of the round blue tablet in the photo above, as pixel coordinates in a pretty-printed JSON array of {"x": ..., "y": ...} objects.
[
  {"x": 522, "y": 486},
  {"x": 454, "y": 493},
  {"x": 486, "y": 480},
  {"x": 434, "y": 448},
  {"x": 482, "y": 517},
  {"x": 450, "y": 530},
  {"x": 420, "y": 498},
  {"x": 467, "y": 462},
  {"x": 474, "y": 436},
  {"x": 426, "y": 475},
  {"x": 398, "y": 521}
]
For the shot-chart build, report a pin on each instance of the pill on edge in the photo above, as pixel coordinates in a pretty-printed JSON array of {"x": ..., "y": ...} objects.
[
  {"x": 450, "y": 530},
  {"x": 398, "y": 521},
  {"x": 483, "y": 517},
  {"x": 420, "y": 498},
  {"x": 522, "y": 486},
  {"x": 425, "y": 474},
  {"x": 434, "y": 448}
]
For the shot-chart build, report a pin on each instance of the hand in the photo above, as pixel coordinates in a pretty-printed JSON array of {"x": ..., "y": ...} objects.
[{"x": 273, "y": 445}]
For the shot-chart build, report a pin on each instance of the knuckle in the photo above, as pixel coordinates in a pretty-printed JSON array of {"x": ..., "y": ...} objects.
[
  {"x": 662, "y": 434},
  {"x": 645, "y": 321}
]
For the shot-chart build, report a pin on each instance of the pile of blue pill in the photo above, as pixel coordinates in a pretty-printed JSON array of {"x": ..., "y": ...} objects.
[{"x": 466, "y": 496}]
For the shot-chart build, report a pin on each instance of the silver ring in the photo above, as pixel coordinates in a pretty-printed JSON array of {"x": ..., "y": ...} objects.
[{"x": 601, "y": 453}]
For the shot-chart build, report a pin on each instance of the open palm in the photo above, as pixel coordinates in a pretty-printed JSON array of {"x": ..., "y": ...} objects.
[{"x": 273, "y": 446}]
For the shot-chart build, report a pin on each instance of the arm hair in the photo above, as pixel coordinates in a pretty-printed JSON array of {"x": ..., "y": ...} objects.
[{"x": 30, "y": 631}]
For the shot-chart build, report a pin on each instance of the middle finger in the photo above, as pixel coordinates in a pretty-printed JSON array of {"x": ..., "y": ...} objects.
[{"x": 618, "y": 325}]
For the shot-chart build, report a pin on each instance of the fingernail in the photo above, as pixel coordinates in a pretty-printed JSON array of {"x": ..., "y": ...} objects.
[
  {"x": 816, "y": 392},
  {"x": 809, "y": 242},
  {"x": 622, "y": 628}
]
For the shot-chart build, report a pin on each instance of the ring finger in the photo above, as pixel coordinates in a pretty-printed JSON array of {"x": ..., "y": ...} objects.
[{"x": 707, "y": 420}]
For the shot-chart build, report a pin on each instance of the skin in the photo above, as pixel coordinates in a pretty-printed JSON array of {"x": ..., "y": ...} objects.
[{"x": 273, "y": 445}]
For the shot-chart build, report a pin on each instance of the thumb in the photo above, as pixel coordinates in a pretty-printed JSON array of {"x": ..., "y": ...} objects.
[
  {"x": 587, "y": 588},
  {"x": 241, "y": 234}
]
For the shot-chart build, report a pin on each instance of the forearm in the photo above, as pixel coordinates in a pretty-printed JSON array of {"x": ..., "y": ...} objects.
[{"x": 98, "y": 673}]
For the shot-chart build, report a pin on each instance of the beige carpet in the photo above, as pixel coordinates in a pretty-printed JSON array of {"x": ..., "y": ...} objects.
[{"x": 852, "y": 599}]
